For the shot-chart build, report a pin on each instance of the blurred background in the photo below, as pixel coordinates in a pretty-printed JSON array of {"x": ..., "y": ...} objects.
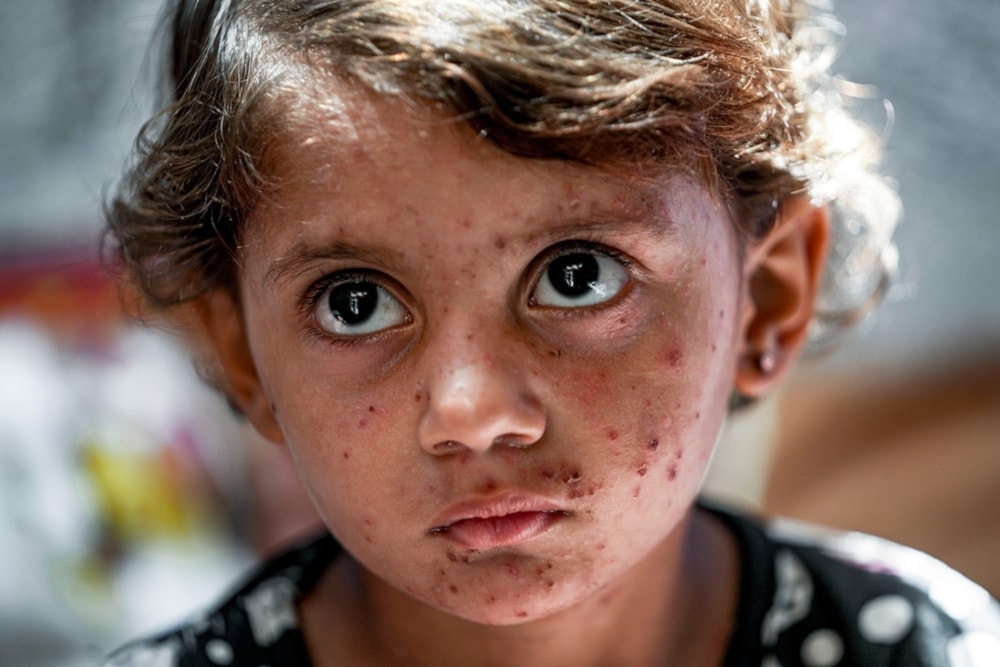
[{"x": 129, "y": 496}]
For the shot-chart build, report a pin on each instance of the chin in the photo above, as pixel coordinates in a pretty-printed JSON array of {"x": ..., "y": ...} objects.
[{"x": 508, "y": 607}]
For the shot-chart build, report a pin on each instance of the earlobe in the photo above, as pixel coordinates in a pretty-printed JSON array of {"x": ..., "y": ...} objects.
[
  {"x": 217, "y": 324},
  {"x": 782, "y": 273}
]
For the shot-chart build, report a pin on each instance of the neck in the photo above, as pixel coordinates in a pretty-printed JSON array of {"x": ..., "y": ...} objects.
[{"x": 673, "y": 607}]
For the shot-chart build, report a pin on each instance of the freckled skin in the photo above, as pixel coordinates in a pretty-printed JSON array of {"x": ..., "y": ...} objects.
[{"x": 475, "y": 355}]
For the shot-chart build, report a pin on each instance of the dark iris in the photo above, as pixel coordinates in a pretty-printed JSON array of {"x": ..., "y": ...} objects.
[
  {"x": 353, "y": 303},
  {"x": 572, "y": 274}
]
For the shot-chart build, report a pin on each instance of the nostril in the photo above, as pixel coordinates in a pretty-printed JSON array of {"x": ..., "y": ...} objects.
[
  {"x": 447, "y": 447},
  {"x": 514, "y": 441}
]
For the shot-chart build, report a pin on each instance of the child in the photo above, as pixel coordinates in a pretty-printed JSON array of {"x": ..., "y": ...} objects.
[{"x": 495, "y": 272}]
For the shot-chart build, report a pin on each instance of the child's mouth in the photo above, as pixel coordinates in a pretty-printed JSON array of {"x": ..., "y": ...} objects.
[
  {"x": 499, "y": 531},
  {"x": 485, "y": 523}
]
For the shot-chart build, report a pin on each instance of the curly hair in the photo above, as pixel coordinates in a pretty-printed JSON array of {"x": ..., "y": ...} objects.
[{"x": 738, "y": 89}]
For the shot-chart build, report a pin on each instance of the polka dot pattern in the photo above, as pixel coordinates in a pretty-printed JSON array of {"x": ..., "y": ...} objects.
[
  {"x": 219, "y": 652},
  {"x": 822, "y": 648},
  {"x": 806, "y": 601},
  {"x": 886, "y": 619}
]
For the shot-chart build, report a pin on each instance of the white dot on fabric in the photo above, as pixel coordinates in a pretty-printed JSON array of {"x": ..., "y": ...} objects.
[
  {"x": 886, "y": 619},
  {"x": 219, "y": 652},
  {"x": 823, "y": 648},
  {"x": 974, "y": 649}
]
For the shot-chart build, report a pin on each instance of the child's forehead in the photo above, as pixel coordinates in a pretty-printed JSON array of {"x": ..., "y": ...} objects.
[{"x": 333, "y": 123}]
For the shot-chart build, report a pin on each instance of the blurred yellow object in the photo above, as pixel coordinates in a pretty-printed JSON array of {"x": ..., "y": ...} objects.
[{"x": 143, "y": 493}]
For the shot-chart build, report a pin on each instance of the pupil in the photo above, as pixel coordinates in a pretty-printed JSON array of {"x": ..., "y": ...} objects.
[
  {"x": 353, "y": 303},
  {"x": 573, "y": 274}
]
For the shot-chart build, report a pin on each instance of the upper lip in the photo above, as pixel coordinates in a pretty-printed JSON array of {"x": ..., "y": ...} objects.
[{"x": 492, "y": 507}]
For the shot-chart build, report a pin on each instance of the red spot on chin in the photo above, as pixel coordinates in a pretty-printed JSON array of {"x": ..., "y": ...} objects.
[
  {"x": 522, "y": 614},
  {"x": 513, "y": 570},
  {"x": 642, "y": 470},
  {"x": 346, "y": 455},
  {"x": 371, "y": 408},
  {"x": 672, "y": 472},
  {"x": 453, "y": 588},
  {"x": 417, "y": 398},
  {"x": 500, "y": 243},
  {"x": 362, "y": 423},
  {"x": 653, "y": 444},
  {"x": 612, "y": 434}
]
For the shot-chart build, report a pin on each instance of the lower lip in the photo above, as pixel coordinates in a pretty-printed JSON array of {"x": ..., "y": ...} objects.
[{"x": 500, "y": 531}]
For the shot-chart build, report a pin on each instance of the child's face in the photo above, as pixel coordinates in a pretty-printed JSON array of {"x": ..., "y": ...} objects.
[{"x": 448, "y": 332}]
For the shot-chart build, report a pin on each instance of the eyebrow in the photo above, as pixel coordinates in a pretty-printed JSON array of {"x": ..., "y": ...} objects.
[
  {"x": 302, "y": 254},
  {"x": 603, "y": 221}
]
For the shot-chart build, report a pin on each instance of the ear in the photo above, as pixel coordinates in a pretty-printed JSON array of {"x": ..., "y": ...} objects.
[
  {"x": 217, "y": 324},
  {"x": 782, "y": 273}
]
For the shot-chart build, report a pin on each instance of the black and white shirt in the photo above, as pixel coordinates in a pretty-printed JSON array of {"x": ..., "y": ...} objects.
[{"x": 809, "y": 597}]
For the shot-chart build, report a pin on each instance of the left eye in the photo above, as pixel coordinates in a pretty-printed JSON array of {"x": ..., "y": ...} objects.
[{"x": 578, "y": 278}]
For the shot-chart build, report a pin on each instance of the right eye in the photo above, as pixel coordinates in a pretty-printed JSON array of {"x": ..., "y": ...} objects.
[{"x": 356, "y": 305}]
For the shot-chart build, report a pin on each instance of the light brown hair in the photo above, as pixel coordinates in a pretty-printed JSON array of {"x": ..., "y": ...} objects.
[{"x": 738, "y": 90}]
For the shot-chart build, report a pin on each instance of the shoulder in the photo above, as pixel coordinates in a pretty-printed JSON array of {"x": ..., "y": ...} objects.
[
  {"x": 838, "y": 598},
  {"x": 256, "y": 624}
]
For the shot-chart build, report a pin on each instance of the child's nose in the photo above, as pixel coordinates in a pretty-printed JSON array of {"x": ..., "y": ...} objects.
[{"x": 478, "y": 404}]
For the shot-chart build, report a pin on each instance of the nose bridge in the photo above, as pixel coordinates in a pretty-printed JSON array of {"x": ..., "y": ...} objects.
[{"x": 477, "y": 393}]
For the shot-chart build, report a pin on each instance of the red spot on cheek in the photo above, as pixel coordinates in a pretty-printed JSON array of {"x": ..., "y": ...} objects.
[
  {"x": 653, "y": 444},
  {"x": 672, "y": 472},
  {"x": 371, "y": 408},
  {"x": 673, "y": 357},
  {"x": 513, "y": 570},
  {"x": 522, "y": 614},
  {"x": 612, "y": 434},
  {"x": 362, "y": 423},
  {"x": 642, "y": 470},
  {"x": 347, "y": 455},
  {"x": 500, "y": 243},
  {"x": 453, "y": 588}
]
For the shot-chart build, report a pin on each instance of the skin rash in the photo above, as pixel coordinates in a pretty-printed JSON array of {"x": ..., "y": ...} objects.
[{"x": 474, "y": 388}]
